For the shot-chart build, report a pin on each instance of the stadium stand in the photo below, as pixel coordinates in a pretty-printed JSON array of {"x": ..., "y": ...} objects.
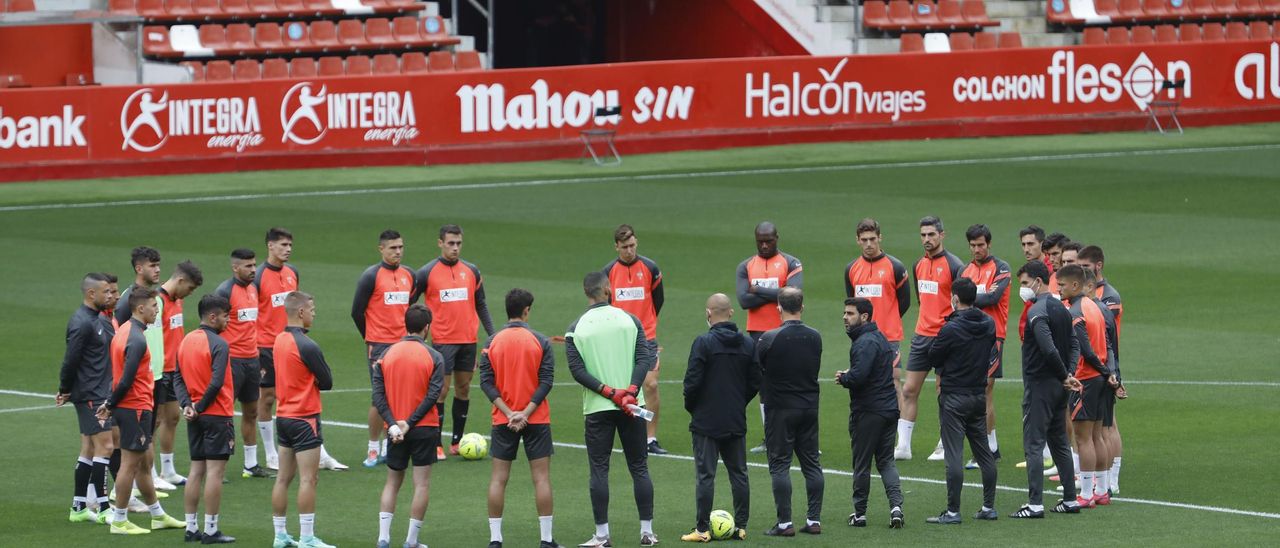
[{"x": 307, "y": 67}]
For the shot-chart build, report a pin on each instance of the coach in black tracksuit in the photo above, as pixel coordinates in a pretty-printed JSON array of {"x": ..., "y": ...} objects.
[
  {"x": 721, "y": 378},
  {"x": 961, "y": 354},
  {"x": 873, "y": 409},
  {"x": 790, "y": 357},
  {"x": 1048, "y": 346}
]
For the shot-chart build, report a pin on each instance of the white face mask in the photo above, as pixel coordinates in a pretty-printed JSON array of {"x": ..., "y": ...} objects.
[{"x": 1026, "y": 294}]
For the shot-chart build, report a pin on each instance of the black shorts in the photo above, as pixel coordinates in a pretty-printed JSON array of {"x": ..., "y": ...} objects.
[
  {"x": 267, "y": 367},
  {"x": 996, "y": 368},
  {"x": 136, "y": 428},
  {"x": 457, "y": 357},
  {"x": 299, "y": 434},
  {"x": 1087, "y": 404},
  {"x": 164, "y": 389},
  {"x": 374, "y": 352},
  {"x": 503, "y": 443},
  {"x": 89, "y": 423},
  {"x": 918, "y": 359},
  {"x": 657, "y": 360},
  {"x": 211, "y": 437},
  {"x": 419, "y": 445},
  {"x": 244, "y": 371},
  {"x": 1109, "y": 406}
]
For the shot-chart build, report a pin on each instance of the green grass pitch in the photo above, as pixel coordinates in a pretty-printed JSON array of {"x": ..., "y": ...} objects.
[{"x": 1188, "y": 225}]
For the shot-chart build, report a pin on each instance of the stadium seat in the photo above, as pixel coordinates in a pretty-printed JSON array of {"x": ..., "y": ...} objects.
[
  {"x": 1202, "y": 9},
  {"x": 1250, "y": 8},
  {"x": 975, "y": 12},
  {"x": 1107, "y": 8},
  {"x": 960, "y": 41},
  {"x": 440, "y": 61},
  {"x": 151, "y": 9},
  {"x": 267, "y": 36},
  {"x": 218, "y": 71},
  {"x": 378, "y": 31},
  {"x": 434, "y": 31},
  {"x": 926, "y": 14},
  {"x": 237, "y": 8},
  {"x": 247, "y": 69},
  {"x": 321, "y": 7},
  {"x": 386, "y": 63},
  {"x": 900, "y": 15},
  {"x": 263, "y": 8},
  {"x": 1157, "y": 10},
  {"x": 1259, "y": 30},
  {"x": 1213, "y": 32},
  {"x": 324, "y": 34},
  {"x": 951, "y": 14},
  {"x": 875, "y": 14},
  {"x": 275, "y": 68},
  {"x": 1094, "y": 36},
  {"x": 207, "y": 8},
  {"x": 1130, "y": 10},
  {"x": 1188, "y": 32},
  {"x": 213, "y": 36},
  {"x": 240, "y": 37},
  {"x": 331, "y": 66},
  {"x": 413, "y": 62},
  {"x": 359, "y": 65},
  {"x": 985, "y": 40},
  {"x": 155, "y": 41},
  {"x": 302, "y": 67},
  {"x": 467, "y": 60},
  {"x": 351, "y": 34},
  {"x": 123, "y": 6},
  {"x": 1237, "y": 31},
  {"x": 1117, "y": 36},
  {"x": 1272, "y": 8},
  {"x": 1180, "y": 11},
  {"x": 1225, "y": 8},
  {"x": 936, "y": 42},
  {"x": 180, "y": 10},
  {"x": 1166, "y": 34},
  {"x": 1010, "y": 40},
  {"x": 1143, "y": 35},
  {"x": 911, "y": 43},
  {"x": 185, "y": 39},
  {"x": 406, "y": 30},
  {"x": 196, "y": 68},
  {"x": 295, "y": 36},
  {"x": 292, "y": 8}
]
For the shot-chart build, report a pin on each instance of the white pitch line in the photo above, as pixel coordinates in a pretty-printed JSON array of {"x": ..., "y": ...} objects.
[
  {"x": 641, "y": 177},
  {"x": 36, "y": 408},
  {"x": 22, "y": 393}
]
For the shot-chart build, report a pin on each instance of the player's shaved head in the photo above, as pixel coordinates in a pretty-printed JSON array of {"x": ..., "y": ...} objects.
[
  {"x": 596, "y": 285},
  {"x": 719, "y": 308},
  {"x": 766, "y": 227}
]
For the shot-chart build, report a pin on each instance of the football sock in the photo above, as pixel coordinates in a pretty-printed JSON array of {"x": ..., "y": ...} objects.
[
  {"x": 307, "y": 524},
  {"x": 373, "y": 447},
  {"x": 1115, "y": 474},
  {"x": 98, "y": 478},
  {"x": 382, "y": 450},
  {"x": 1101, "y": 482},
  {"x": 156, "y": 510},
  {"x": 651, "y": 440},
  {"x": 544, "y": 527},
  {"x": 166, "y": 465},
  {"x": 602, "y": 530},
  {"x": 250, "y": 456},
  {"x": 114, "y": 463},
  {"x": 1075, "y": 462},
  {"x": 460, "y": 408},
  {"x": 120, "y": 514},
  {"x": 281, "y": 524},
  {"x": 267, "y": 437},
  {"x": 384, "y": 526},
  {"x": 210, "y": 524},
  {"x": 1086, "y": 483},
  {"x": 905, "y": 427},
  {"x": 415, "y": 526},
  {"x": 495, "y": 529},
  {"x": 991, "y": 441},
  {"x": 646, "y": 526},
  {"x": 784, "y": 525},
  {"x": 84, "y": 468},
  {"x": 193, "y": 524},
  {"x": 808, "y": 521},
  {"x": 1040, "y": 507}
]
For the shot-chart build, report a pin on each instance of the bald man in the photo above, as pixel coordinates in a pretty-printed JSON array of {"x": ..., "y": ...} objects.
[{"x": 721, "y": 378}]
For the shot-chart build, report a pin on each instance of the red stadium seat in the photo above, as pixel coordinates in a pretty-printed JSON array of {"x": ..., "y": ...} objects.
[
  {"x": 378, "y": 31},
  {"x": 875, "y": 14},
  {"x": 151, "y": 9},
  {"x": 218, "y": 71},
  {"x": 1272, "y": 8},
  {"x": 900, "y": 14},
  {"x": 1213, "y": 32},
  {"x": 128, "y": 6},
  {"x": 240, "y": 37},
  {"x": 386, "y": 63},
  {"x": 295, "y": 35},
  {"x": 207, "y": 8},
  {"x": 351, "y": 34},
  {"x": 320, "y": 7},
  {"x": 951, "y": 13},
  {"x": 975, "y": 12},
  {"x": 213, "y": 36},
  {"x": 263, "y": 8},
  {"x": 984, "y": 40},
  {"x": 1010, "y": 40},
  {"x": 1202, "y": 9},
  {"x": 1259, "y": 30},
  {"x": 960, "y": 41},
  {"x": 440, "y": 61},
  {"x": 1143, "y": 35},
  {"x": 1130, "y": 10},
  {"x": 1166, "y": 34},
  {"x": 359, "y": 65},
  {"x": 912, "y": 43},
  {"x": 1188, "y": 32},
  {"x": 275, "y": 68},
  {"x": 155, "y": 41},
  {"x": 267, "y": 36},
  {"x": 1237, "y": 31},
  {"x": 1180, "y": 11},
  {"x": 331, "y": 66},
  {"x": 302, "y": 67},
  {"x": 1157, "y": 10},
  {"x": 247, "y": 69},
  {"x": 1225, "y": 8},
  {"x": 413, "y": 62},
  {"x": 180, "y": 9},
  {"x": 1117, "y": 36},
  {"x": 925, "y": 14},
  {"x": 1094, "y": 36},
  {"x": 1107, "y": 8},
  {"x": 467, "y": 60},
  {"x": 433, "y": 29},
  {"x": 1250, "y": 8},
  {"x": 293, "y": 8},
  {"x": 237, "y": 8},
  {"x": 197, "y": 70},
  {"x": 406, "y": 30},
  {"x": 324, "y": 34}
]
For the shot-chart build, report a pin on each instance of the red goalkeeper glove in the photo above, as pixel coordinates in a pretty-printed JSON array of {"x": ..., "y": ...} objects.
[{"x": 620, "y": 398}]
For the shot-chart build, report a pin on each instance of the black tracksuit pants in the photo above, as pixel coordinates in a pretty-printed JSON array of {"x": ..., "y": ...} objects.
[
  {"x": 964, "y": 416},
  {"x": 788, "y": 432},
  {"x": 733, "y": 451},
  {"x": 599, "y": 430},
  {"x": 1044, "y": 420},
  {"x": 873, "y": 437}
]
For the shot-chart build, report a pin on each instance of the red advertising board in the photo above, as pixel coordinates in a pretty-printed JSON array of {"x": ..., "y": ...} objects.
[{"x": 700, "y": 104}]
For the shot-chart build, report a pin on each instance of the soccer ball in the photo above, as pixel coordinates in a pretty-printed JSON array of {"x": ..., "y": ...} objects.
[
  {"x": 473, "y": 446},
  {"x": 721, "y": 525}
]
